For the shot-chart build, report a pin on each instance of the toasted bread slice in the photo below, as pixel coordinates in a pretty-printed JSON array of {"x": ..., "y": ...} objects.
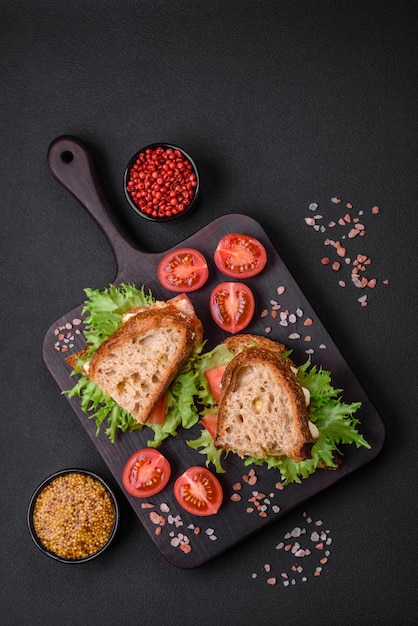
[
  {"x": 136, "y": 364},
  {"x": 262, "y": 409}
]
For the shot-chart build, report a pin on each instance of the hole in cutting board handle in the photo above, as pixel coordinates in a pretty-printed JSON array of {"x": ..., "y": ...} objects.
[{"x": 67, "y": 156}]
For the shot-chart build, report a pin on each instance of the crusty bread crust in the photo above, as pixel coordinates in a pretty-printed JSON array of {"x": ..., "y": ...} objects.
[
  {"x": 136, "y": 364},
  {"x": 262, "y": 409},
  {"x": 73, "y": 359},
  {"x": 182, "y": 305},
  {"x": 236, "y": 343}
]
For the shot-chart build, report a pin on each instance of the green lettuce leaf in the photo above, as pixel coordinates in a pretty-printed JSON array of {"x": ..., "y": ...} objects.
[
  {"x": 104, "y": 313},
  {"x": 333, "y": 418},
  {"x": 204, "y": 445}
]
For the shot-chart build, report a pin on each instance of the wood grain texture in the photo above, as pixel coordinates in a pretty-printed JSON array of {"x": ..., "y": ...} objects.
[{"x": 71, "y": 164}]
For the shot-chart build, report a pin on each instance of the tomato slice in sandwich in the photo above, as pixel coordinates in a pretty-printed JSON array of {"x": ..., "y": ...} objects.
[
  {"x": 183, "y": 269},
  {"x": 146, "y": 473},
  {"x": 210, "y": 421},
  {"x": 240, "y": 256},
  {"x": 198, "y": 491},
  {"x": 158, "y": 413},
  {"x": 214, "y": 377},
  {"x": 232, "y": 306}
]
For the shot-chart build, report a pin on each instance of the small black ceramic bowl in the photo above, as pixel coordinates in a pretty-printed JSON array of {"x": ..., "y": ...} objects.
[
  {"x": 73, "y": 516},
  {"x": 161, "y": 182}
]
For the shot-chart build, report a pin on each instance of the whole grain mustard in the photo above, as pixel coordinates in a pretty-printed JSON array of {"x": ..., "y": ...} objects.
[{"x": 74, "y": 516}]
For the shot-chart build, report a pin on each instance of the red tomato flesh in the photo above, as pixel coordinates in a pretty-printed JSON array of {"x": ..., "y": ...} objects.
[
  {"x": 146, "y": 473},
  {"x": 232, "y": 306},
  {"x": 210, "y": 421},
  {"x": 198, "y": 491},
  {"x": 158, "y": 413},
  {"x": 240, "y": 256},
  {"x": 183, "y": 269},
  {"x": 214, "y": 377}
]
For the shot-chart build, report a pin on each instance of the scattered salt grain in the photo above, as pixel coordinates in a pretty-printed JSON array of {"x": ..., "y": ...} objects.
[{"x": 155, "y": 517}]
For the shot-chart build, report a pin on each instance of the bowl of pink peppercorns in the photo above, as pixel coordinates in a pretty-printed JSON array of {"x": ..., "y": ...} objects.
[{"x": 162, "y": 182}]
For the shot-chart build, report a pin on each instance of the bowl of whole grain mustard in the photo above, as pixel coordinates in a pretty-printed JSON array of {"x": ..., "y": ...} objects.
[{"x": 73, "y": 516}]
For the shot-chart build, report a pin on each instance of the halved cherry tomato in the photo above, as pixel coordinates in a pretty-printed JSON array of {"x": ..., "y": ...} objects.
[
  {"x": 210, "y": 421},
  {"x": 158, "y": 413},
  {"x": 146, "y": 473},
  {"x": 198, "y": 491},
  {"x": 240, "y": 256},
  {"x": 183, "y": 269},
  {"x": 214, "y": 377},
  {"x": 232, "y": 306}
]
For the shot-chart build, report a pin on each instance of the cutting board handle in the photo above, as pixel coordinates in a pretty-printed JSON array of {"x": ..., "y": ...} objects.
[{"x": 72, "y": 165}]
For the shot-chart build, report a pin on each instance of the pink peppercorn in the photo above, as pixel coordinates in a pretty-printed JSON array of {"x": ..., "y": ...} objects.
[{"x": 161, "y": 182}]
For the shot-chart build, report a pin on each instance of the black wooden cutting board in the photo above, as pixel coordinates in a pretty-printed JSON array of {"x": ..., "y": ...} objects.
[{"x": 257, "y": 499}]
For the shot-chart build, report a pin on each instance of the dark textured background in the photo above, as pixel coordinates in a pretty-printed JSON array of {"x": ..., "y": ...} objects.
[{"x": 281, "y": 104}]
